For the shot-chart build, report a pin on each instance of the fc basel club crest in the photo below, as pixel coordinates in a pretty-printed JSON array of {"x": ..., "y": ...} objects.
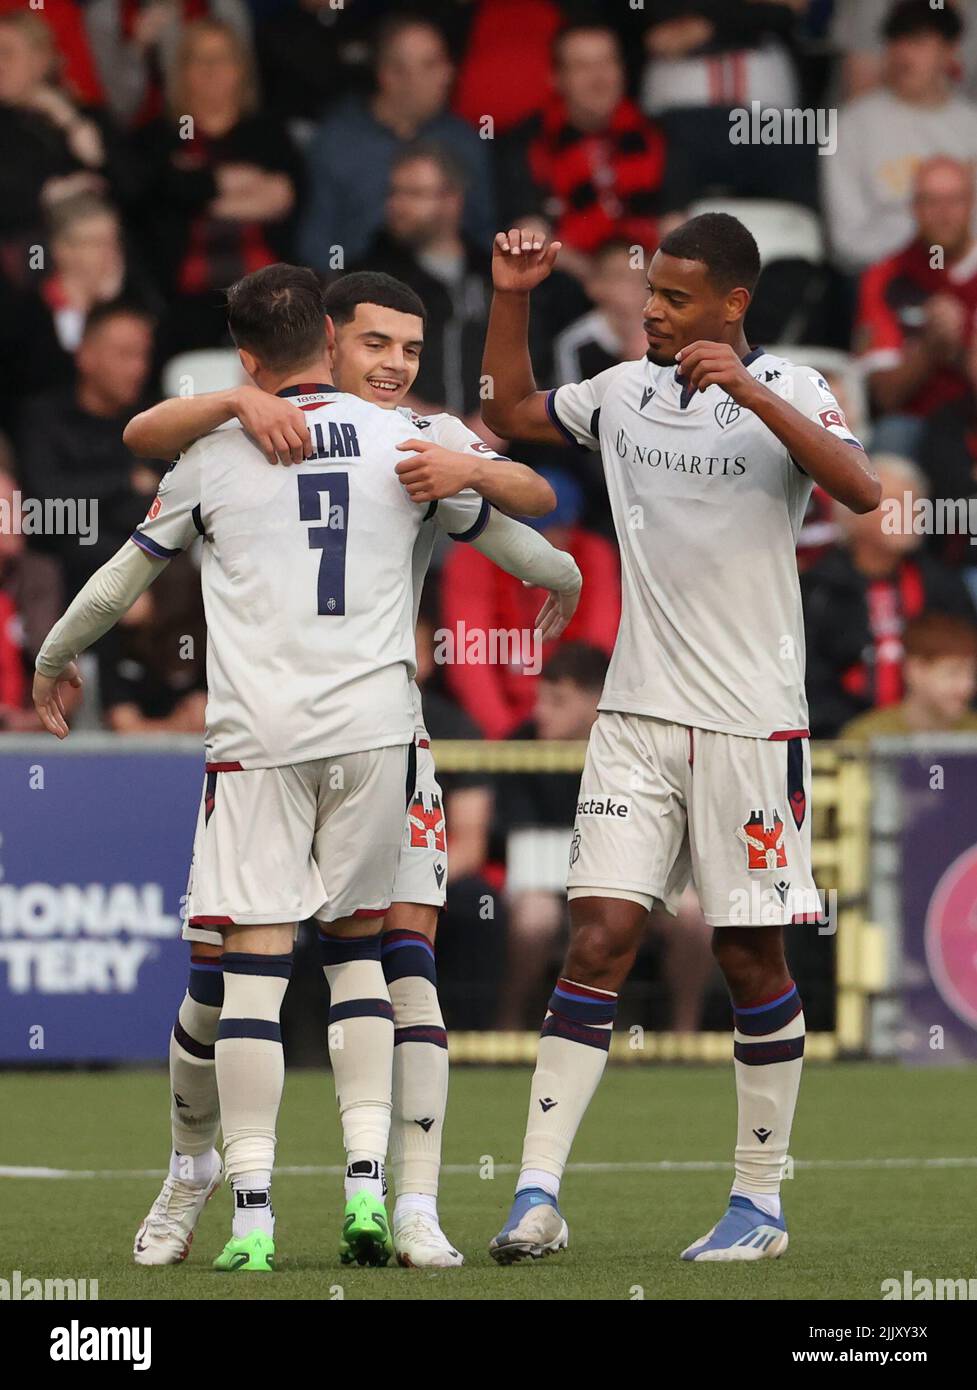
[
  {"x": 727, "y": 412},
  {"x": 427, "y": 824},
  {"x": 764, "y": 841},
  {"x": 951, "y": 936}
]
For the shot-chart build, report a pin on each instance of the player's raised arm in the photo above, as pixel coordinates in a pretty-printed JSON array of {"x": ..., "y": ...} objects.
[
  {"x": 812, "y": 430},
  {"x": 165, "y": 430},
  {"x": 521, "y": 260}
]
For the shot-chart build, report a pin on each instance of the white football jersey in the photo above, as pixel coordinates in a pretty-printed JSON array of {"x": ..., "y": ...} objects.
[
  {"x": 307, "y": 581},
  {"x": 707, "y": 506},
  {"x": 450, "y": 433}
]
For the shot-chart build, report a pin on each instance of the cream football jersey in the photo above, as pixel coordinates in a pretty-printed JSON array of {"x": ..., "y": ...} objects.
[
  {"x": 450, "y": 433},
  {"x": 307, "y": 578},
  {"x": 707, "y": 506}
]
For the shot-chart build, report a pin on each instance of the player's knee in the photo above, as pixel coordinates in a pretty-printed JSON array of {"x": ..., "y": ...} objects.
[
  {"x": 597, "y": 952},
  {"x": 752, "y": 962}
]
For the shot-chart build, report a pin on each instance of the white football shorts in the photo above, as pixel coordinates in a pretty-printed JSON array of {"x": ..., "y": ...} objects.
[{"x": 662, "y": 804}]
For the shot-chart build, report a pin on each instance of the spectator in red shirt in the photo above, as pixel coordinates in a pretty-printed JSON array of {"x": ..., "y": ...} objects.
[
  {"x": 918, "y": 310},
  {"x": 590, "y": 162},
  {"x": 479, "y": 598}
]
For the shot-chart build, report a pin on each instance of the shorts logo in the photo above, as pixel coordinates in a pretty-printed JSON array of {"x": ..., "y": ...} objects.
[
  {"x": 617, "y": 807},
  {"x": 764, "y": 843},
  {"x": 439, "y": 874},
  {"x": 426, "y": 824}
]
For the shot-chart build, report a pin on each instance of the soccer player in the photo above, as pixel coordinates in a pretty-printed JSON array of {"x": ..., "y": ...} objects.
[
  {"x": 306, "y": 577},
  {"x": 379, "y": 325},
  {"x": 698, "y": 764}
]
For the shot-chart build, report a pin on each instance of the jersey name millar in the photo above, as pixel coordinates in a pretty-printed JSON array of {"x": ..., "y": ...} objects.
[
  {"x": 707, "y": 506},
  {"x": 306, "y": 579},
  {"x": 450, "y": 433}
]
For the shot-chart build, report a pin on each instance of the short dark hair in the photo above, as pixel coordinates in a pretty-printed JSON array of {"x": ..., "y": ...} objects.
[
  {"x": 452, "y": 170},
  {"x": 725, "y": 247},
  {"x": 581, "y": 25},
  {"x": 932, "y": 636},
  {"x": 115, "y": 309},
  {"x": 370, "y": 287},
  {"x": 579, "y": 662},
  {"x": 389, "y": 30},
  {"x": 910, "y": 17},
  {"x": 278, "y": 313}
]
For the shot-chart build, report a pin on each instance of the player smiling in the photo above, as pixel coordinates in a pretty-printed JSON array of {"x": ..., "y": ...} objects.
[
  {"x": 379, "y": 329},
  {"x": 710, "y": 450}
]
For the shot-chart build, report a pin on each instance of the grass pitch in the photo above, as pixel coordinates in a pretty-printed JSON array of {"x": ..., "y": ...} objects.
[{"x": 871, "y": 1196}]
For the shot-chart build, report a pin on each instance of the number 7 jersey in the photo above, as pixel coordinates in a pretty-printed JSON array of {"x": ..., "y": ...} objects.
[{"x": 306, "y": 578}]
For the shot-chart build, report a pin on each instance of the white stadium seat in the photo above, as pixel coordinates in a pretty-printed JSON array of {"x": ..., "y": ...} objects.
[
  {"x": 783, "y": 231},
  {"x": 195, "y": 373}
]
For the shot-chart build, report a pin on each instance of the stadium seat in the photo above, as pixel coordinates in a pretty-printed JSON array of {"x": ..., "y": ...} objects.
[
  {"x": 789, "y": 301},
  {"x": 783, "y": 231},
  {"x": 195, "y": 373}
]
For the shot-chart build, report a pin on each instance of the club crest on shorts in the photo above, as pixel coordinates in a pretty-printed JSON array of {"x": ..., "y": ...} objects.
[
  {"x": 764, "y": 841},
  {"x": 426, "y": 823}
]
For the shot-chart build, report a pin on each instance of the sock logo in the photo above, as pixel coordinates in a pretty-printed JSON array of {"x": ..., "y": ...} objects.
[
  {"x": 547, "y": 1103},
  {"x": 181, "y": 1104},
  {"x": 426, "y": 1123},
  {"x": 246, "y": 1199},
  {"x": 763, "y": 1134}
]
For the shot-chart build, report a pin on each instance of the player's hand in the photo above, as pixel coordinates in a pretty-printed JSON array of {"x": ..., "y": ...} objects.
[
  {"x": 433, "y": 472},
  {"x": 555, "y": 614},
  {"x": 48, "y": 701},
  {"x": 704, "y": 364},
  {"x": 521, "y": 259},
  {"x": 276, "y": 425}
]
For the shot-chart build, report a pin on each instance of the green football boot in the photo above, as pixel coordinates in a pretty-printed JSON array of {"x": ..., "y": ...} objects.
[
  {"x": 254, "y": 1252},
  {"x": 366, "y": 1232}
]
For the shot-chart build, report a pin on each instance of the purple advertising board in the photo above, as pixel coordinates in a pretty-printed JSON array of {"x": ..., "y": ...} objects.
[
  {"x": 938, "y": 880},
  {"x": 95, "y": 841}
]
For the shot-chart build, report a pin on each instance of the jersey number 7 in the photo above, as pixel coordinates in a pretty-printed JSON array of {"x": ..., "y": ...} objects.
[{"x": 330, "y": 538}]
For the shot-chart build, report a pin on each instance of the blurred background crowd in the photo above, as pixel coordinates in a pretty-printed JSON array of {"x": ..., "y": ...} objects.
[{"x": 156, "y": 150}]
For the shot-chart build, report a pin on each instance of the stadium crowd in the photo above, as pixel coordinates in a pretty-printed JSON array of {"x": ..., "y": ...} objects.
[{"x": 156, "y": 151}]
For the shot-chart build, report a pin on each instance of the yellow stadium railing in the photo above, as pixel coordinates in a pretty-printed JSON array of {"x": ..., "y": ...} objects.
[{"x": 840, "y": 797}]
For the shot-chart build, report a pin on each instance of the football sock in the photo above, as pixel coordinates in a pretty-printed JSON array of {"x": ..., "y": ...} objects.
[
  {"x": 365, "y": 1175},
  {"x": 200, "y": 1169},
  {"x": 252, "y": 1204},
  {"x": 573, "y": 1047},
  {"x": 194, "y": 1111},
  {"x": 415, "y": 1201},
  {"x": 768, "y": 1051},
  {"x": 361, "y": 1044},
  {"x": 250, "y": 1060},
  {"x": 420, "y": 1063}
]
